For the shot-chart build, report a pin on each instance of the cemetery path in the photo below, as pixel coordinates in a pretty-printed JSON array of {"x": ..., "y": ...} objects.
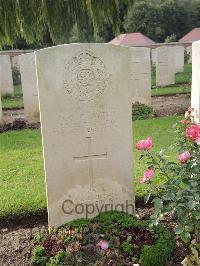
[
  {"x": 171, "y": 105},
  {"x": 12, "y": 114}
]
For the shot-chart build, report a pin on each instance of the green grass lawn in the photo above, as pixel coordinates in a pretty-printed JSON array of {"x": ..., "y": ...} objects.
[
  {"x": 22, "y": 186},
  {"x": 179, "y": 88},
  {"x": 182, "y": 82},
  {"x": 13, "y": 102}
]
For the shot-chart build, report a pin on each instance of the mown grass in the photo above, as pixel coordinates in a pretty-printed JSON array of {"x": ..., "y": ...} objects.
[
  {"x": 170, "y": 90},
  {"x": 22, "y": 185},
  {"x": 15, "y": 101},
  {"x": 182, "y": 82}
]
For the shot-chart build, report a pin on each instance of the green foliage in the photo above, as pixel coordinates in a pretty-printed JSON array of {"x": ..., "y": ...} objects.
[
  {"x": 61, "y": 258},
  {"x": 144, "y": 17},
  {"x": 120, "y": 230},
  {"x": 171, "y": 38},
  {"x": 38, "y": 256},
  {"x": 160, "y": 253},
  {"x": 35, "y": 20},
  {"x": 40, "y": 237},
  {"x": 128, "y": 247},
  {"x": 179, "y": 193},
  {"x": 142, "y": 111},
  {"x": 151, "y": 17},
  {"x": 45, "y": 22}
]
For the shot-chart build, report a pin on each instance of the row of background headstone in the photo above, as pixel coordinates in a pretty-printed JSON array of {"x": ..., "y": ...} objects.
[
  {"x": 169, "y": 61},
  {"x": 140, "y": 80}
]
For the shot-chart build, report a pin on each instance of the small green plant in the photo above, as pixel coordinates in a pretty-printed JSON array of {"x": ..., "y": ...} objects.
[
  {"x": 142, "y": 111},
  {"x": 160, "y": 253},
  {"x": 38, "y": 256},
  {"x": 61, "y": 258},
  {"x": 40, "y": 237},
  {"x": 128, "y": 247}
]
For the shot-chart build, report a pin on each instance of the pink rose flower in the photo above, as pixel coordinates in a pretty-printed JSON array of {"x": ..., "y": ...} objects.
[
  {"x": 103, "y": 244},
  {"x": 145, "y": 144},
  {"x": 184, "y": 157},
  {"x": 185, "y": 121},
  {"x": 193, "y": 132},
  {"x": 147, "y": 176}
]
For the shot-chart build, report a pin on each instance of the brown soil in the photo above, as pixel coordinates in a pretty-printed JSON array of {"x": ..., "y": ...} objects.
[
  {"x": 12, "y": 114},
  {"x": 171, "y": 105}
]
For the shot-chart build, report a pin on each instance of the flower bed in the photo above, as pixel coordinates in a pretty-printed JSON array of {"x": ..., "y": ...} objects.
[{"x": 111, "y": 238}]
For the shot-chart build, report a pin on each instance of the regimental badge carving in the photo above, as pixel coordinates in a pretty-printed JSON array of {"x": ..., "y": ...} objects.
[{"x": 85, "y": 76}]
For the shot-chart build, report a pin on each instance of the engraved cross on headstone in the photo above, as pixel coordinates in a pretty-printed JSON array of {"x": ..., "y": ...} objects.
[{"x": 89, "y": 158}]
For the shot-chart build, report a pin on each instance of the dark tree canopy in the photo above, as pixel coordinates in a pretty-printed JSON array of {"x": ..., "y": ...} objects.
[{"x": 159, "y": 19}]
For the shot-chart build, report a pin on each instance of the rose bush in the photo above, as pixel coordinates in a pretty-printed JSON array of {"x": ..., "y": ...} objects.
[{"x": 179, "y": 193}]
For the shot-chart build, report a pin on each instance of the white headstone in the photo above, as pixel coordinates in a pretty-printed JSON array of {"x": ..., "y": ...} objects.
[
  {"x": 165, "y": 68},
  {"x": 85, "y": 105},
  {"x": 15, "y": 62},
  {"x": 195, "y": 98},
  {"x": 6, "y": 82},
  {"x": 153, "y": 56},
  {"x": 179, "y": 58},
  {"x": 141, "y": 75},
  {"x": 29, "y": 87}
]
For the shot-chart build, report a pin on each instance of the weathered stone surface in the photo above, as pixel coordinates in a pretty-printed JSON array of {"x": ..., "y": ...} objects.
[
  {"x": 165, "y": 66},
  {"x": 6, "y": 82},
  {"x": 15, "y": 62},
  {"x": 195, "y": 98},
  {"x": 85, "y": 103},
  {"x": 29, "y": 87},
  {"x": 153, "y": 56},
  {"x": 179, "y": 58},
  {"x": 141, "y": 75}
]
